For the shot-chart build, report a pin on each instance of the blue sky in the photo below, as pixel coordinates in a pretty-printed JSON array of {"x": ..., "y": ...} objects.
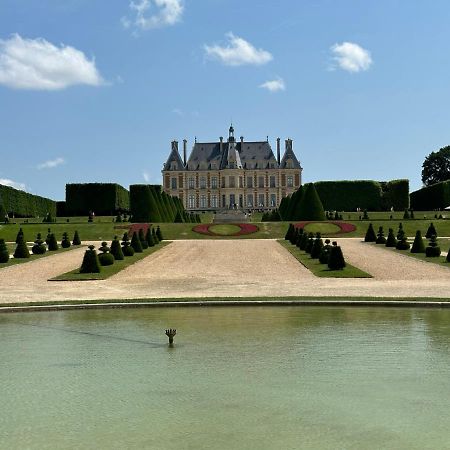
[{"x": 95, "y": 90}]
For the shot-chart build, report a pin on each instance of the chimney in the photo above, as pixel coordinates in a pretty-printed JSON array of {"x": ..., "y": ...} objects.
[
  {"x": 278, "y": 151},
  {"x": 221, "y": 144},
  {"x": 184, "y": 151}
]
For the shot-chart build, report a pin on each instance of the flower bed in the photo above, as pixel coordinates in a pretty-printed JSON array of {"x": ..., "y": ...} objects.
[
  {"x": 136, "y": 227},
  {"x": 344, "y": 227},
  {"x": 244, "y": 228}
]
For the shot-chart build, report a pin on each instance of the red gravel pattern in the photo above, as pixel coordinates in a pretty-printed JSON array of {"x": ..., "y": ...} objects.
[
  {"x": 344, "y": 227},
  {"x": 245, "y": 228}
]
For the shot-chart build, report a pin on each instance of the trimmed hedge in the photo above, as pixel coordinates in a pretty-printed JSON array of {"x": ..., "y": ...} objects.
[
  {"x": 23, "y": 204},
  {"x": 105, "y": 199},
  {"x": 436, "y": 196}
]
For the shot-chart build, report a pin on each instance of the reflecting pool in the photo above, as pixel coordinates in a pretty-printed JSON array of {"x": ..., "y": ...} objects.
[{"x": 237, "y": 378}]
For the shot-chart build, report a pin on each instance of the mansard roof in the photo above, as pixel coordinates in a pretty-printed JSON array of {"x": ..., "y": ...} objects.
[
  {"x": 174, "y": 161},
  {"x": 289, "y": 155}
]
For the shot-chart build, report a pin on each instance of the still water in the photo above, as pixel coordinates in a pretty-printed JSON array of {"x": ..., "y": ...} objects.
[{"x": 237, "y": 378}]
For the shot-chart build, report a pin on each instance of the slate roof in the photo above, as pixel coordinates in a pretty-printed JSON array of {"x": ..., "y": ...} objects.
[
  {"x": 174, "y": 157},
  {"x": 289, "y": 154}
]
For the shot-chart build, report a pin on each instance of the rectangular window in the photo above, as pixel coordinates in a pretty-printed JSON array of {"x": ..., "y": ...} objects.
[
  {"x": 250, "y": 200},
  {"x": 214, "y": 182},
  {"x": 191, "y": 201},
  {"x": 191, "y": 182},
  {"x": 260, "y": 182},
  {"x": 214, "y": 201},
  {"x": 273, "y": 200},
  {"x": 249, "y": 182},
  {"x": 173, "y": 183},
  {"x": 202, "y": 182},
  {"x": 290, "y": 181},
  {"x": 261, "y": 200},
  {"x": 203, "y": 203},
  {"x": 231, "y": 182},
  {"x": 272, "y": 181}
]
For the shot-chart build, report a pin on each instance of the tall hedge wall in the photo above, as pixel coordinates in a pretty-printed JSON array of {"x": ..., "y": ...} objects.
[
  {"x": 23, "y": 204},
  {"x": 105, "y": 199},
  {"x": 372, "y": 195},
  {"x": 436, "y": 196}
]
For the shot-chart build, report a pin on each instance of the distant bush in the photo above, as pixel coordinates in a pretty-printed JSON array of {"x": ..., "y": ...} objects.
[
  {"x": 418, "y": 245},
  {"x": 52, "y": 244},
  {"x": 136, "y": 243},
  {"x": 433, "y": 250},
  {"x": 149, "y": 238},
  {"x": 406, "y": 214},
  {"x": 159, "y": 233},
  {"x": 299, "y": 237},
  {"x": 325, "y": 253},
  {"x": 304, "y": 241},
  {"x": 116, "y": 249},
  {"x": 4, "y": 253},
  {"x": 336, "y": 259},
  {"x": 119, "y": 218},
  {"x": 21, "y": 249},
  {"x": 141, "y": 236},
  {"x": 391, "y": 241},
  {"x": 90, "y": 263},
  {"x": 402, "y": 243},
  {"x": 127, "y": 249},
  {"x": 155, "y": 236},
  {"x": 431, "y": 231},
  {"x": 380, "y": 236},
  {"x": 76, "y": 239},
  {"x": 39, "y": 247},
  {"x": 370, "y": 234},
  {"x": 19, "y": 235},
  {"x": 310, "y": 243},
  {"x": 65, "y": 243},
  {"x": 400, "y": 230},
  {"x": 316, "y": 249},
  {"x": 105, "y": 257}
]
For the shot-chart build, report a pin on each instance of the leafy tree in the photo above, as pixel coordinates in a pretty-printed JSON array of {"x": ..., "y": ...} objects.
[
  {"x": 436, "y": 167},
  {"x": 370, "y": 234},
  {"x": 418, "y": 244},
  {"x": 90, "y": 263},
  {"x": 116, "y": 249},
  {"x": 4, "y": 253}
]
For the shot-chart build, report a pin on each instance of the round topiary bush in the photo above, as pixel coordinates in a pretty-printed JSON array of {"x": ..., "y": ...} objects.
[
  {"x": 76, "y": 239},
  {"x": 325, "y": 253},
  {"x": 4, "y": 253},
  {"x": 380, "y": 236},
  {"x": 21, "y": 249},
  {"x": 52, "y": 244},
  {"x": 370, "y": 234},
  {"x": 391, "y": 241},
  {"x": 105, "y": 258},
  {"x": 149, "y": 238},
  {"x": 39, "y": 247},
  {"x": 136, "y": 243},
  {"x": 116, "y": 249},
  {"x": 65, "y": 243},
  {"x": 127, "y": 249},
  {"x": 418, "y": 244},
  {"x": 431, "y": 231},
  {"x": 336, "y": 259},
  {"x": 90, "y": 263},
  {"x": 433, "y": 250},
  {"x": 144, "y": 242}
]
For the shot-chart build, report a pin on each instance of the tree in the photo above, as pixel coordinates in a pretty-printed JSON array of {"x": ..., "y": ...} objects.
[
  {"x": 52, "y": 244},
  {"x": 317, "y": 247},
  {"x": 127, "y": 249},
  {"x": 4, "y": 253},
  {"x": 325, "y": 253},
  {"x": 436, "y": 167},
  {"x": 380, "y": 239},
  {"x": 402, "y": 243},
  {"x": 310, "y": 207},
  {"x": 19, "y": 234}
]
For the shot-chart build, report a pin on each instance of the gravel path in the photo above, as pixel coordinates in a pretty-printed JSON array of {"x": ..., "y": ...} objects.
[{"x": 228, "y": 268}]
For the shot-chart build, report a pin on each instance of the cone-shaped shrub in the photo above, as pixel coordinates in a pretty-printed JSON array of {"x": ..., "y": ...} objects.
[
  {"x": 299, "y": 237},
  {"x": 366, "y": 217},
  {"x": 136, "y": 243},
  {"x": 127, "y": 249},
  {"x": 39, "y": 247},
  {"x": 49, "y": 234},
  {"x": 370, "y": 234},
  {"x": 65, "y": 243},
  {"x": 144, "y": 242},
  {"x": 433, "y": 251},
  {"x": 304, "y": 241},
  {"x": 149, "y": 238},
  {"x": 380, "y": 236},
  {"x": 310, "y": 207},
  {"x": 336, "y": 259},
  {"x": 105, "y": 257},
  {"x": 52, "y": 244},
  {"x": 402, "y": 243},
  {"x": 294, "y": 236},
  {"x": 116, "y": 249},
  {"x": 406, "y": 214},
  {"x": 310, "y": 243},
  {"x": 418, "y": 245},
  {"x": 21, "y": 249},
  {"x": 155, "y": 236},
  {"x": 159, "y": 234},
  {"x": 431, "y": 231},
  {"x": 178, "y": 218},
  {"x": 317, "y": 248},
  {"x": 400, "y": 230},
  {"x": 411, "y": 214},
  {"x": 4, "y": 253},
  {"x": 391, "y": 241},
  {"x": 289, "y": 232},
  {"x": 90, "y": 263},
  {"x": 295, "y": 204},
  {"x": 325, "y": 252},
  {"x": 76, "y": 239},
  {"x": 19, "y": 234}
]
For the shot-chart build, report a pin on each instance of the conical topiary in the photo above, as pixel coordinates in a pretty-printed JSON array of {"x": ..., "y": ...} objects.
[
  {"x": 90, "y": 263},
  {"x": 325, "y": 253},
  {"x": 402, "y": 243},
  {"x": 380, "y": 236},
  {"x": 105, "y": 257},
  {"x": 431, "y": 231},
  {"x": 19, "y": 234},
  {"x": 141, "y": 236},
  {"x": 149, "y": 238},
  {"x": 4, "y": 253},
  {"x": 400, "y": 230},
  {"x": 336, "y": 259},
  {"x": 76, "y": 239},
  {"x": 406, "y": 214},
  {"x": 127, "y": 249},
  {"x": 49, "y": 234},
  {"x": 116, "y": 249},
  {"x": 433, "y": 250},
  {"x": 294, "y": 207},
  {"x": 52, "y": 244},
  {"x": 65, "y": 243},
  {"x": 304, "y": 241},
  {"x": 39, "y": 247},
  {"x": 289, "y": 232},
  {"x": 310, "y": 243},
  {"x": 159, "y": 233},
  {"x": 391, "y": 241},
  {"x": 21, "y": 249},
  {"x": 294, "y": 236},
  {"x": 411, "y": 213},
  {"x": 155, "y": 237},
  {"x": 136, "y": 243},
  {"x": 310, "y": 207},
  {"x": 317, "y": 247},
  {"x": 418, "y": 244},
  {"x": 299, "y": 237},
  {"x": 370, "y": 234}
]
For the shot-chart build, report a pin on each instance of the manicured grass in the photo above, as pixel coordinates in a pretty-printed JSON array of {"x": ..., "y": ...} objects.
[
  {"x": 224, "y": 229},
  {"x": 108, "y": 271},
  {"x": 321, "y": 270},
  {"x": 324, "y": 228}
]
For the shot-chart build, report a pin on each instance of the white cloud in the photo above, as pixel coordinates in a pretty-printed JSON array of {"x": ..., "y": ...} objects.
[
  {"x": 351, "y": 57},
  {"x": 274, "y": 85},
  {"x": 13, "y": 184},
  {"x": 238, "y": 52},
  {"x": 38, "y": 64},
  {"x": 50, "y": 164},
  {"x": 149, "y": 14},
  {"x": 146, "y": 176},
  {"x": 178, "y": 111}
]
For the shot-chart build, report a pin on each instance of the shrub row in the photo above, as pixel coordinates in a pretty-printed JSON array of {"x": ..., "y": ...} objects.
[
  {"x": 303, "y": 204},
  {"x": 436, "y": 196}
]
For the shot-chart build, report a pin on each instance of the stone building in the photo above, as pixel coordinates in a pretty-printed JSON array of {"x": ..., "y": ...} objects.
[{"x": 232, "y": 174}]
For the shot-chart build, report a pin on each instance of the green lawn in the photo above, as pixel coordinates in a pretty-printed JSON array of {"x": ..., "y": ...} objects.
[
  {"x": 321, "y": 270},
  {"x": 224, "y": 229},
  {"x": 108, "y": 271},
  {"x": 324, "y": 228}
]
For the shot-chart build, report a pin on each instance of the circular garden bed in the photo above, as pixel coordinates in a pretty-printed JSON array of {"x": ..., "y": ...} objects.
[
  {"x": 229, "y": 229},
  {"x": 327, "y": 227}
]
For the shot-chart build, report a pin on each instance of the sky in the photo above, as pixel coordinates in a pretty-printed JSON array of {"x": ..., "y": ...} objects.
[{"x": 95, "y": 90}]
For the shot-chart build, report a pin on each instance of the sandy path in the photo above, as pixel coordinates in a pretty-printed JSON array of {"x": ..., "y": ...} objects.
[{"x": 228, "y": 268}]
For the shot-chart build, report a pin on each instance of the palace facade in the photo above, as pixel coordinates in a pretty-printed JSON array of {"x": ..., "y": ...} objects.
[{"x": 223, "y": 175}]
